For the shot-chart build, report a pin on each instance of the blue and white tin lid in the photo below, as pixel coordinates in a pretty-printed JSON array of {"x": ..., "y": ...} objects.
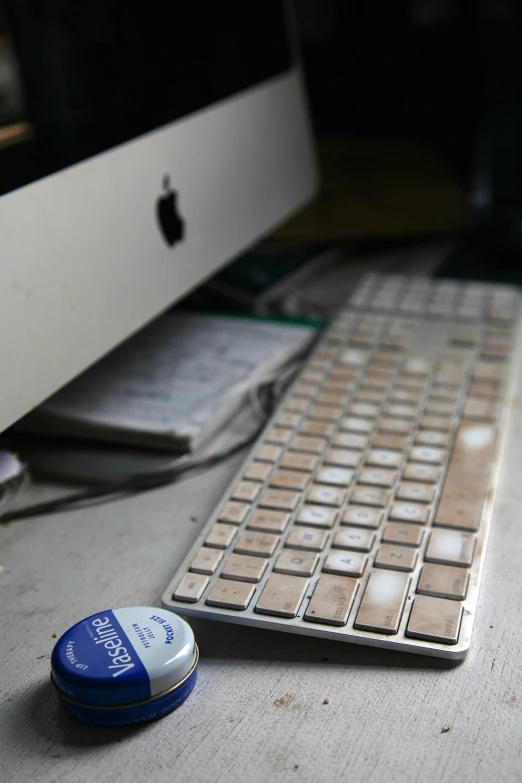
[{"x": 123, "y": 657}]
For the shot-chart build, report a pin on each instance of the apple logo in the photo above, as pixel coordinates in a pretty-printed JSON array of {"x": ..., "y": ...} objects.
[{"x": 171, "y": 224}]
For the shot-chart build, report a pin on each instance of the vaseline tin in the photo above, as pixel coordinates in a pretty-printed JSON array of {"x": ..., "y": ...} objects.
[{"x": 125, "y": 666}]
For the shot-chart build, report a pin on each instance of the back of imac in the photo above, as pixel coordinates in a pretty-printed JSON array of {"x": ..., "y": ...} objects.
[{"x": 139, "y": 152}]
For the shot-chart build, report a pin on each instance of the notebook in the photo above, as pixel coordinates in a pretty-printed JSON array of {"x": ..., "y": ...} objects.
[{"x": 174, "y": 384}]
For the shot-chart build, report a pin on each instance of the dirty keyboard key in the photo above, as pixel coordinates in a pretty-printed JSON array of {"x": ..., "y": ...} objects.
[
  {"x": 258, "y": 471},
  {"x": 244, "y": 568},
  {"x": 340, "y": 477},
  {"x": 362, "y": 516},
  {"x": 308, "y": 538},
  {"x": 356, "y": 538},
  {"x": 230, "y": 595},
  {"x": 410, "y": 490},
  {"x": 282, "y": 595},
  {"x": 399, "y": 533},
  {"x": 281, "y": 499},
  {"x": 429, "y": 454},
  {"x": 246, "y": 490},
  {"x": 332, "y": 600},
  {"x": 345, "y": 458},
  {"x": 379, "y": 477},
  {"x": 257, "y": 544},
  {"x": 206, "y": 561},
  {"x": 398, "y": 558},
  {"x": 435, "y": 619},
  {"x": 410, "y": 512},
  {"x": 383, "y": 602},
  {"x": 345, "y": 563},
  {"x": 370, "y": 496},
  {"x": 289, "y": 479},
  {"x": 321, "y": 516},
  {"x": 450, "y": 547},
  {"x": 266, "y": 520},
  {"x": 416, "y": 471},
  {"x": 294, "y": 460},
  {"x": 462, "y": 496},
  {"x": 291, "y": 561},
  {"x": 220, "y": 536},
  {"x": 327, "y": 495},
  {"x": 191, "y": 588},
  {"x": 443, "y": 581},
  {"x": 234, "y": 512}
]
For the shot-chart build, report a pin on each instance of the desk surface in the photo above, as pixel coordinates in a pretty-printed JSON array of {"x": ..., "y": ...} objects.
[{"x": 258, "y": 711}]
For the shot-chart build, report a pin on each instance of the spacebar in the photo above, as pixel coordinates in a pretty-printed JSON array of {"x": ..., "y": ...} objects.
[{"x": 462, "y": 496}]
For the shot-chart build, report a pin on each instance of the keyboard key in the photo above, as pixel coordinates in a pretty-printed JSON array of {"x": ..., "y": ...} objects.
[
  {"x": 332, "y": 600},
  {"x": 230, "y": 595},
  {"x": 395, "y": 426},
  {"x": 290, "y": 479},
  {"x": 419, "y": 472},
  {"x": 309, "y": 444},
  {"x": 267, "y": 521},
  {"x": 431, "y": 455},
  {"x": 354, "y": 538},
  {"x": 440, "y": 408},
  {"x": 422, "y": 493},
  {"x": 282, "y": 595},
  {"x": 191, "y": 588},
  {"x": 288, "y": 419},
  {"x": 282, "y": 499},
  {"x": 487, "y": 371},
  {"x": 332, "y": 397},
  {"x": 462, "y": 495},
  {"x": 432, "y": 438},
  {"x": 291, "y": 561},
  {"x": 435, "y": 619},
  {"x": 348, "y": 440},
  {"x": 383, "y": 602},
  {"x": 345, "y": 563},
  {"x": 370, "y": 496},
  {"x": 401, "y": 397},
  {"x": 316, "y": 427},
  {"x": 417, "y": 366},
  {"x": 362, "y": 516},
  {"x": 296, "y": 404},
  {"x": 410, "y": 512},
  {"x": 329, "y": 496},
  {"x": 246, "y": 490},
  {"x": 355, "y": 424},
  {"x": 206, "y": 561},
  {"x": 305, "y": 389},
  {"x": 337, "y": 476},
  {"x": 345, "y": 458},
  {"x": 244, "y": 568},
  {"x": 321, "y": 516},
  {"x": 279, "y": 435},
  {"x": 401, "y": 411},
  {"x": 443, "y": 423},
  {"x": 258, "y": 471},
  {"x": 482, "y": 389},
  {"x": 257, "y": 544},
  {"x": 269, "y": 453},
  {"x": 443, "y": 581},
  {"x": 450, "y": 547},
  {"x": 477, "y": 408},
  {"x": 384, "y": 458},
  {"x": 353, "y": 357},
  {"x": 364, "y": 409},
  {"x": 307, "y": 538},
  {"x": 387, "y": 441},
  {"x": 451, "y": 371},
  {"x": 400, "y": 533},
  {"x": 379, "y": 477},
  {"x": 373, "y": 381},
  {"x": 295, "y": 460},
  {"x": 398, "y": 558},
  {"x": 234, "y": 512},
  {"x": 220, "y": 536},
  {"x": 325, "y": 412}
]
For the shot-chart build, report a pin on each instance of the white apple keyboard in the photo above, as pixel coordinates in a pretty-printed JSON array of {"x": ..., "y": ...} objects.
[{"x": 362, "y": 512}]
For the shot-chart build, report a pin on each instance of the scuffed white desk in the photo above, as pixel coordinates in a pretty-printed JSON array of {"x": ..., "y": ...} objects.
[{"x": 258, "y": 712}]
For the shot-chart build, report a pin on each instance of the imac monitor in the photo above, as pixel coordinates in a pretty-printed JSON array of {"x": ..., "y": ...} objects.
[{"x": 141, "y": 148}]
